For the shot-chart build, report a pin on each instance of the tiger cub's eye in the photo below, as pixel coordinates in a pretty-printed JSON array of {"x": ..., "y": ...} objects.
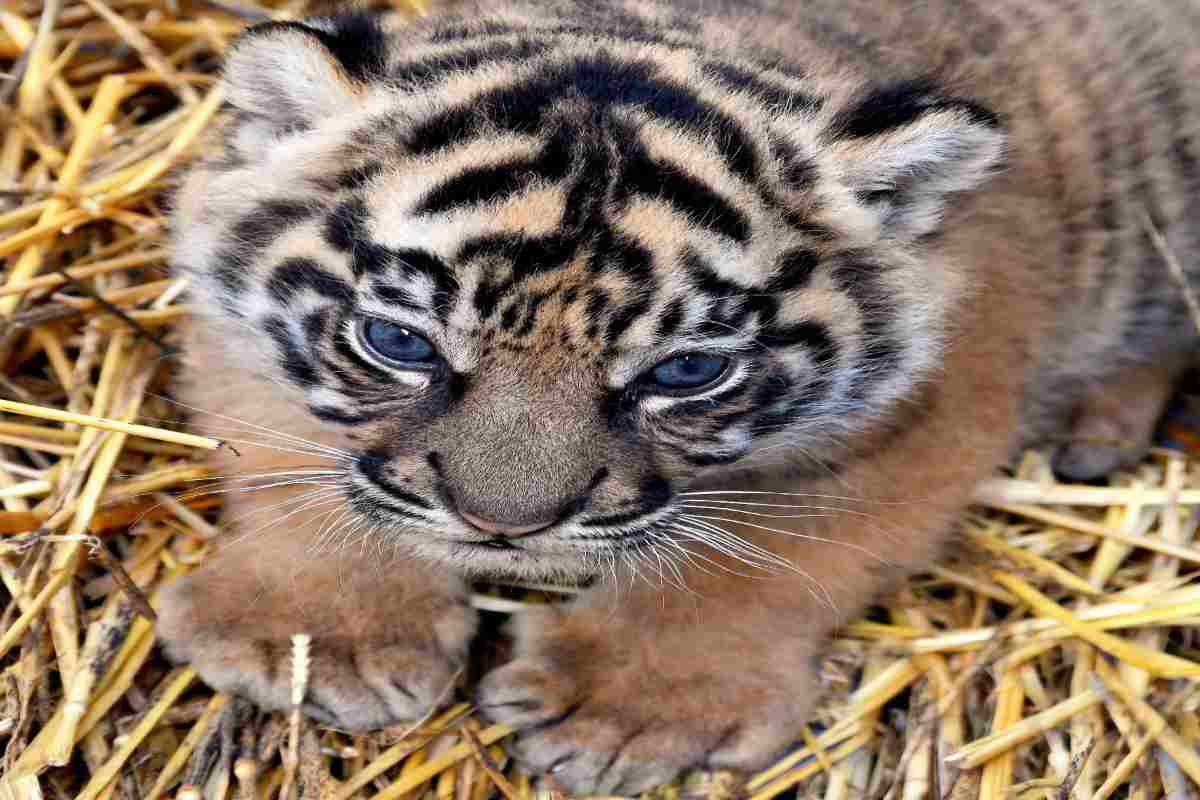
[
  {"x": 689, "y": 373},
  {"x": 397, "y": 344}
]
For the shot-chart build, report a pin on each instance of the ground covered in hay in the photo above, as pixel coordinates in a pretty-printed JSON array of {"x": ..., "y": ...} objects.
[{"x": 1057, "y": 656}]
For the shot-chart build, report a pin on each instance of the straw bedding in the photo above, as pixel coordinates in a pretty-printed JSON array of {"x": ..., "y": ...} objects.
[{"x": 1056, "y": 655}]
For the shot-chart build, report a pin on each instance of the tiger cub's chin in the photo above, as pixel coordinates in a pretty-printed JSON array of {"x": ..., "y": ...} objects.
[{"x": 720, "y": 316}]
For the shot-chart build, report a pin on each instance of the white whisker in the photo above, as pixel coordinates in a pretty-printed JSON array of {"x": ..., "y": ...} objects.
[
  {"x": 715, "y": 536},
  {"x": 749, "y": 554},
  {"x": 792, "y": 534},
  {"x": 260, "y": 428},
  {"x": 713, "y": 492},
  {"x": 307, "y": 505}
]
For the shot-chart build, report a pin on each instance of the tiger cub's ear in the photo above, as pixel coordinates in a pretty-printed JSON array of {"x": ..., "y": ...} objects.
[
  {"x": 903, "y": 149},
  {"x": 288, "y": 75}
]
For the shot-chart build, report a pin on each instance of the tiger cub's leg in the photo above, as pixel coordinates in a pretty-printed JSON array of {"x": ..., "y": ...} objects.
[
  {"x": 1113, "y": 425},
  {"x": 388, "y": 638}
]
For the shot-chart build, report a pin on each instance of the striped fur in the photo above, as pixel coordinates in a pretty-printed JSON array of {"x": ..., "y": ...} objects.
[
  {"x": 608, "y": 186},
  {"x": 892, "y": 217}
]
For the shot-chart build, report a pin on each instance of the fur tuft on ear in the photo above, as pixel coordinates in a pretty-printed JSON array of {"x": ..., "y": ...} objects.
[
  {"x": 289, "y": 75},
  {"x": 903, "y": 149}
]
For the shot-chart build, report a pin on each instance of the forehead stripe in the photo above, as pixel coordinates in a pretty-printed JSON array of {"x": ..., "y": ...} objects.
[
  {"x": 673, "y": 184},
  {"x": 738, "y": 79},
  {"x": 521, "y": 108},
  {"x": 299, "y": 274},
  {"x": 251, "y": 233},
  {"x": 444, "y": 65},
  {"x": 497, "y": 182}
]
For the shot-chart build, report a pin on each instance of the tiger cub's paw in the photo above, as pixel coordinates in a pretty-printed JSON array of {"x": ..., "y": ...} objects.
[
  {"x": 360, "y": 677},
  {"x": 610, "y": 710}
]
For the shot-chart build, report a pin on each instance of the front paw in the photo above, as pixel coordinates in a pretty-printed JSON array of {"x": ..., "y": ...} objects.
[
  {"x": 621, "y": 708},
  {"x": 360, "y": 677}
]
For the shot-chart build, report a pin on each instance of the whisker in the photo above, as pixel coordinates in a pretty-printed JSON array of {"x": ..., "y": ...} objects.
[
  {"x": 193, "y": 494},
  {"x": 714, "y": 534},
  {"x": 793, "y": 534},
  {"x": 737, "y": 549},
  {"x": 259, "y": 428},
  {"x": 706, "y": 507},
  {"x": 687, "y": 556},
  {"x": 328, "y": 523},
  {"x": 875, "y": 522},
  {"x": 737, "y": 503},
  {"x": 699, "y": 537},
  {"x": 282, "y": 471},
  {"x": 263, "y": 509},
  {"x": 307, "y": 505},
  {"x": 714, "y": 492}
]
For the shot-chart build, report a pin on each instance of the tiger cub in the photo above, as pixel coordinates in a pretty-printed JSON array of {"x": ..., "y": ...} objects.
[{"x": 719, "y": 309}]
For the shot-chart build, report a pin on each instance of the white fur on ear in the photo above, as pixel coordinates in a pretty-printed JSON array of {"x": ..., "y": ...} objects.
[
  {"x": 903, "y": 150},
  {"x": 285, "y": 76}
]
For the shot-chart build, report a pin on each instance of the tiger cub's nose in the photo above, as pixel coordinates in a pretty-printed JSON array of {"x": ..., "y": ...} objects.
[{"x": 504, "y": 528}]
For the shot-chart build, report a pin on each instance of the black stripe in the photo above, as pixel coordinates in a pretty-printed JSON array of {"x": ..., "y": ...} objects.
[
  {"x": 859, "y": 278},
  {"x": 455, "y": 29},
  {"x": 355, "y": 178},
  {"x": 373, "y": 466},
  {"x": 299, "y": 274},
  {"x": 480, "y": 185},
  {"x": 671, "y": 319},
  {"x": 795, "y": 270},
  {"x": 654, "y": 493},
  {"x": 339, "y": 417},
  {"x": 649, "y": 177},
  {"x": 778, "y": 404},
  {"x": 499, "y": 181},
  {"x": 690, "y": 408},
  {"x": 624, "y": 317},
  {"x": 797, "y": 171},
  {"x": 697, "y": 459},
  {"x": 738, "y": 79},
  {"x": 395, "y": 295},
  {"x": 529, "y": 257},
  {"x": 486, "y": 296},
  {"x": 614, "y": 251},
  {"x": 345, "y": 230},
  {"x": 532, "y": 303},
  {"x": 296, "y": 364},
  {"x": 596, "y": 305},
  {"x": 346, "y": 224},
  {"x": 707, "y": 281},
  {"x": 733, "y": 303},
  {"x": 251, "y": 233},
  {"x": 522, "y": 108},
  {"x": 315, "y": 325},
  {"x": 509, "y": 317},
  {"x": 358, "y": 44},
  {"x": 437, "y": 67},
  {"x": 587, "y": 193},
  {"x": 809, "y": 334},
  {"x": 896, "y": 104},
  {"x": 420, "y": 262}
]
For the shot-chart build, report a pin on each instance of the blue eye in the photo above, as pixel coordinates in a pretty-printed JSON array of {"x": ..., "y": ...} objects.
[
  {"x": 393, "y": 343},
  {"x": 689, "y": 372}
]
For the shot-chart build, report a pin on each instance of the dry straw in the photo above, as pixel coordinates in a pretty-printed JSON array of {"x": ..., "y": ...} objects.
[{"x": 1056, "y": 656}]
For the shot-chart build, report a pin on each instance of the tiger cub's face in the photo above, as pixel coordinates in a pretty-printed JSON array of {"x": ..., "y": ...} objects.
[{"x": 540, "y": 278}]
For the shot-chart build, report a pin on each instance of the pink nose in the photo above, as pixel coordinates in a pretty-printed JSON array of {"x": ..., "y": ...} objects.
[{"x": 503, "y": 528}]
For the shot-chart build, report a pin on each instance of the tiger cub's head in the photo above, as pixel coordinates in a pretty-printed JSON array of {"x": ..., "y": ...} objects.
[{"x": 541, "y": 274}]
